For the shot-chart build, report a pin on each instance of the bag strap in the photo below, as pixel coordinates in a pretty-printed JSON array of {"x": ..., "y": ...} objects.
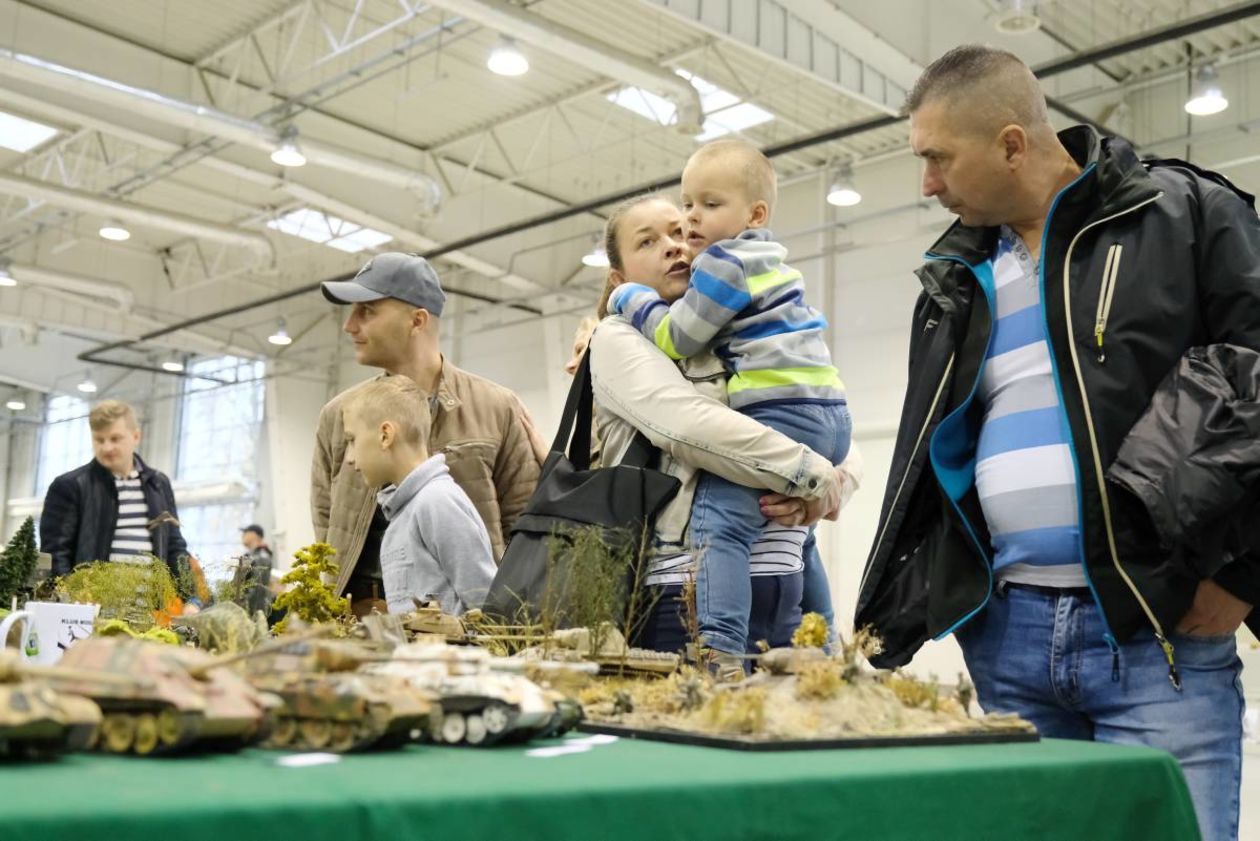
[
  {"x": 576, "y": 421},
  {"x": 574, "y": 433}
]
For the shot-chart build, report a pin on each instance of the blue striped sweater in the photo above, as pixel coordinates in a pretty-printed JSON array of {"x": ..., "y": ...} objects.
[{"x": 749, "y": 306}]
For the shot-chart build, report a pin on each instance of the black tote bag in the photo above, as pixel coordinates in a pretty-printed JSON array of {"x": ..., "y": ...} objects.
[{"x": 622, "y": 500}]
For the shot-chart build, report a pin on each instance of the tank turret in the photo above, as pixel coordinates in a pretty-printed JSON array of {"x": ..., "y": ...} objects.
[
  {"x": 160, "y": 698},
  {"x": 36, "y": 721},
  {"x": 328, "y": 705},
  {"x": 481, "y": 699}
]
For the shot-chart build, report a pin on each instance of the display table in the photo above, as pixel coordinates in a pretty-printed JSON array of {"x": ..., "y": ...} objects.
[{"x": 612, "y": 790}]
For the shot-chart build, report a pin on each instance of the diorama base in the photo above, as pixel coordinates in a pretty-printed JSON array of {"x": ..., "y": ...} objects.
[{"x": 754, "y": 743}]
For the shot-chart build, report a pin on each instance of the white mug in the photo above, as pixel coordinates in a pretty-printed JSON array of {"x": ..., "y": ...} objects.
[
  {"x": 24, "y": 638},
  {"x": 49, "y": 628}
]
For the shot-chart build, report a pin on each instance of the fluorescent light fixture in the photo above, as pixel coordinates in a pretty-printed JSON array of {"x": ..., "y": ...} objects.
[
  {"x": 173, "y": 365},
  {"x": 15, "y": 405},
  {"x": 314, "y": 226},
  {"x": 87, "y": 386},
  {"x": 724, "y": 112},
  {"x": 114, "y": 231},
  {"x": 1017, "y": 17},
  {"x": 288, "y": 154},
  {"x": 22, "y": 135},
  {"x": 281, "y": 337},
  {"x": 6, "y": 273},
  {"x": 506, "y": 59},
  {"x": 1206, "y": 97},
  {"x": 597, "y": 258}
]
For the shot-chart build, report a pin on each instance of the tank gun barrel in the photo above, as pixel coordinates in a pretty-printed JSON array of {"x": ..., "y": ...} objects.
[
  {"x": 13, "y": 666},
  {"x": 278, "y": 644}
]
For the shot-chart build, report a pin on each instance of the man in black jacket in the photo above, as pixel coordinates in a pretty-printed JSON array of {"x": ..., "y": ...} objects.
[
  {"x": 102, "y": 510},
  {"x": 1074, "y": 281}
]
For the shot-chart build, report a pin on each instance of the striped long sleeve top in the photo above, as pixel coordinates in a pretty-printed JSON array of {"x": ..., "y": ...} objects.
[{"x": 748, "y": 306}]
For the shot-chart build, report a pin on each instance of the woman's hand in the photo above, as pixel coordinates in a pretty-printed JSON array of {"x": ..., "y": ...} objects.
[{"x": 796, "y": 511}]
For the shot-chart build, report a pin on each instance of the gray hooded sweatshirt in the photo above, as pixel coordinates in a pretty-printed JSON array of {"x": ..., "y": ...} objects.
[{"x": 436, "y": 543}]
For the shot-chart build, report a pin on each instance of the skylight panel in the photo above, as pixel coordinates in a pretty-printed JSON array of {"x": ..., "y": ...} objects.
[
  {"x": 724, "y": 112},
  {"x": 733, "y": 119},
  {"x": 22, "y": 135},
  {"x": 317, "y": 227},
  {"x": 645, "y": 103}
]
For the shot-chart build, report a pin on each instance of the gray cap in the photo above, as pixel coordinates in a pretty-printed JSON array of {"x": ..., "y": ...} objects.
[{"x": 407, "y": 277}]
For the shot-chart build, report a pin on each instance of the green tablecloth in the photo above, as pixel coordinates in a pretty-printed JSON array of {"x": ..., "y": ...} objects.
[{"x": 621, "y": 790}]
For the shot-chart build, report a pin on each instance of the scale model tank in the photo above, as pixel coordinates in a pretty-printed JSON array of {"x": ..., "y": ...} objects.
[
  {"x": 327, "y": 705},
  {"x": 428, "y": 620},
  {"x": 481, "y": 699},
  {"x": 171, "y": 698},
  {"x": 36, "y": 721}
]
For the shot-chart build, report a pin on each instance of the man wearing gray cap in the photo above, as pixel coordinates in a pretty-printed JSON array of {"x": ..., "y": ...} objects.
[{"x": 482, "y": 428}]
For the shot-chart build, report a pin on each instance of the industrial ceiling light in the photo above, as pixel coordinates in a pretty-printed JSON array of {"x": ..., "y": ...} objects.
[
  {"x": 1017, "y": 17},
  {"x": 506, "y": 59},
  {"x": 842, "y": 193},
  {"x": 288, "y": 154},
  {"x": 281, "y": 337},
  {"x": 596, "y": 258},
  {"x": 1206, "y": 97},
  {"x": 114, "y": 231},
  {"x": 87, "y": 386},
  {"x": 15, "y": 404},
  {"x": 6, "y": 273},
  {"x": 173, "y": 365}
]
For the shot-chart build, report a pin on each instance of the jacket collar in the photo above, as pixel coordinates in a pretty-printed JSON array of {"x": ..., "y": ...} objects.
[
  {"x": 395, "y": 497},
  {"x": 446, "y": 396},
  {"x": 1117, "y": 180},
  {"x": 100, "y": 471}
]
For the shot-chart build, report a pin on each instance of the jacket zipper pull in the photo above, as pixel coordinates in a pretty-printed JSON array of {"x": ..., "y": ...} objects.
[
  {"x": 1098, "y": 338},
  {"x": 1173, "y": 677}
]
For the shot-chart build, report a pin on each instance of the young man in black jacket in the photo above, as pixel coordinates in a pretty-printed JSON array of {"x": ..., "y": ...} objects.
[
  {"x": 101, "y": 511},
  {"x": 1073, "y": 283}
]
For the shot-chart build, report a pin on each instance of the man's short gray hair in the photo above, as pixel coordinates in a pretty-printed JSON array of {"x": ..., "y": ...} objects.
[{"x": 990, "y": 84}]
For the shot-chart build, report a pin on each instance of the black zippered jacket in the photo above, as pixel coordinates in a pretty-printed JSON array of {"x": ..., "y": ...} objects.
[
  {"x": 1193, "y": 463},
  {"x": 81, "y": 510},
  {"x": 1140, "y": 261}
]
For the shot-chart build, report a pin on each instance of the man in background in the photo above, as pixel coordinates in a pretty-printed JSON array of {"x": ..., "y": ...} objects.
[
  {"x": 253, "y": 571},
  {"x": 482, "y": 428},
  {"x": 102, "y": 510}
]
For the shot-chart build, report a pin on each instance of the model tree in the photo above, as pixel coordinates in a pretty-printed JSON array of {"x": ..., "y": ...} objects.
[
  {"x": 309, "y": 598},
  {"x": 17, "y": 564}
]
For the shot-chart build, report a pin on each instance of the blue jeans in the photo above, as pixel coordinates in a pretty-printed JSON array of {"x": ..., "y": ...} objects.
[
  {"x": 776, "y": 601},
  {"x": 1042, "y": 655},
  {"x": 726, "y": 521}
]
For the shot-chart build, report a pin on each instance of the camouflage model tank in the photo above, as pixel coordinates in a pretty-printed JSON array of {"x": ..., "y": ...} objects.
[
  {"x": 481, "y": 699},
  {"x": 36, "y": 721},
  {"x": 173, "y": 697},
  {"x": 327, "y": 705},
  {"x": 428, "y": 620}
]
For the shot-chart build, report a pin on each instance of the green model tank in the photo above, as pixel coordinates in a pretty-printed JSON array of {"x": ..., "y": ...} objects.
[
  {"x": 37, "y": 721},
  {"x": 328, "y": 705},
  {"x": 174, "y": 698}
]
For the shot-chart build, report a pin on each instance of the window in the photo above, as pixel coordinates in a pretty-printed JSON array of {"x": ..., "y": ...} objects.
[
  {"x": 724, "y": 112},
  {"x": 65, "y": 442},
  {"x": 220, "y": 424}
]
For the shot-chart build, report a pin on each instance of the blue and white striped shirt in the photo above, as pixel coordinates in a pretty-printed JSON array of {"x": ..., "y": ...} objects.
[
  {"x": 747, "y": 305},
  {"x": 1025, "y": 473}
]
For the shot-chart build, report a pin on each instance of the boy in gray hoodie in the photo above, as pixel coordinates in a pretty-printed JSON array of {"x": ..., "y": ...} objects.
[{"x": 436, "y": 543}]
